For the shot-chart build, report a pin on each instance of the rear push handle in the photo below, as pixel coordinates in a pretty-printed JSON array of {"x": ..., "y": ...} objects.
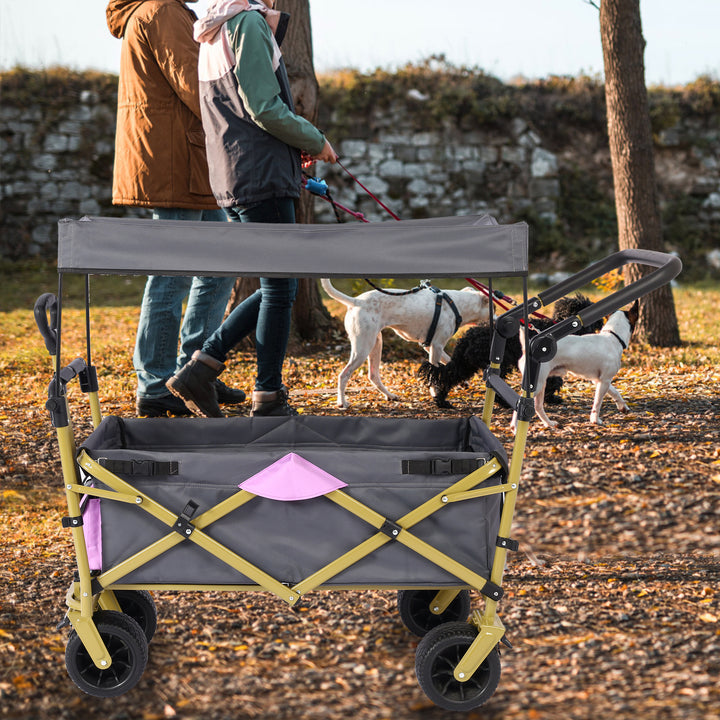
[
  {"x": 543, "y": 345},
  {"x": 667, "y": 267}
]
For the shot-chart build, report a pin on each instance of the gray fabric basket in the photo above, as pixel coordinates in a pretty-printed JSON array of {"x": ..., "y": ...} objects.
[{"x": 291, "y": 540}]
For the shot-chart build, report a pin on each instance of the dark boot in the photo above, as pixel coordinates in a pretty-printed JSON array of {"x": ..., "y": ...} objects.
[
  {"x": 227, "y": 395},
  {"x": 195, "y": 384},
  {"x": 161, "y": 407},
  {"x": 269, "y": 402}
]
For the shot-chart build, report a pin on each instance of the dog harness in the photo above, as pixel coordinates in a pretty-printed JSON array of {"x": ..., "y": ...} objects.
[{"x": 440, "y": 296}]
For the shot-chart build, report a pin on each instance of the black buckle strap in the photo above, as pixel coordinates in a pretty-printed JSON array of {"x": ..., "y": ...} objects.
[
  {"x": 72, "y": 522},
  {"x": 456, "y": 312},
  {"x": 442, "y": 466},
  {"x": 140, "y": 467}
]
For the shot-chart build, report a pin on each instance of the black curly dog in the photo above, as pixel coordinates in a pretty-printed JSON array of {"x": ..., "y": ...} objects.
[{"x": 472, "y": 354}]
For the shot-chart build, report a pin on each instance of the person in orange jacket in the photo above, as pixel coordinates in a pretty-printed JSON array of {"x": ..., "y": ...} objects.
[{"x": 161, "y": 164}]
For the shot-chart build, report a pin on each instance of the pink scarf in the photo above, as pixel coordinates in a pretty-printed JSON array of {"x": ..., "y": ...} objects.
[{"x": 220, "y": 11}]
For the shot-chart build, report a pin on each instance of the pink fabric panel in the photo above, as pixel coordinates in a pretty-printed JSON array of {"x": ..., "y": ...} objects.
[
  {"x": 291, "y": 478},
  {"x": 92, "y": 529}
]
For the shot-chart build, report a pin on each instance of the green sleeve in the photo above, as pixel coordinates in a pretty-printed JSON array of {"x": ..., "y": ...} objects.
[{"x": 259, "y": 89}]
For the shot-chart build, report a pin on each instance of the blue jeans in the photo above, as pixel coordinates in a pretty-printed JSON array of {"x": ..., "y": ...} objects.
[
  {"x": 267, "y": 311},
  {"x": 156, "y": 356}
]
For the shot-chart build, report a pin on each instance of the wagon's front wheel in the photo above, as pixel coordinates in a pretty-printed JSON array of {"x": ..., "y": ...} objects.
[
  {"x": 128, "y": 650},
  {"x": 437, "y": 656},
  {"x": 416, "y": 612}
]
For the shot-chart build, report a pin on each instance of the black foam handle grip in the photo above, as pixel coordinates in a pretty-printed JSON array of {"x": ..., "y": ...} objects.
[{"x": 44, "y": 304}]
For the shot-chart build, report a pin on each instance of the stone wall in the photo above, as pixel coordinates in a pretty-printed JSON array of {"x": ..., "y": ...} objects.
[
  {"x": 56, "y": 161},
  {"x": 447, "y": 172}
]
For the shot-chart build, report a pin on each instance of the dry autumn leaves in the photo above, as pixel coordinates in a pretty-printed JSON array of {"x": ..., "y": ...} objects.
[{"x": 612, "y": 604}]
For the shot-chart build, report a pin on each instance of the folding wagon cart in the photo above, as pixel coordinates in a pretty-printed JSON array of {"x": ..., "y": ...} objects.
[{"x": 295, "y": 504}]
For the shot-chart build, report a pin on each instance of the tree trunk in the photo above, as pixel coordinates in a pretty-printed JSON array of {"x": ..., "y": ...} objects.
[
  {"x": 631, "y": 152},
  {"x": 310, "y": 318}
]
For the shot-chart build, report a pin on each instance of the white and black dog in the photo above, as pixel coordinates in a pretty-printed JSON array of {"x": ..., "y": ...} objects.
[
  {"x": 595, "y": 357},
  {"x": 410, "y": 315},
  {"x": 472, "y": 354}
]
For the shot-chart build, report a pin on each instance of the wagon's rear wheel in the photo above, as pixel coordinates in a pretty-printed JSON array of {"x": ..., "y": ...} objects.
[
  {"x": 127, "y": 646},
  {"x": 437, "y": 656},
  {"x": 140, "y": 606},
  {"x": 417, "y": 615}
]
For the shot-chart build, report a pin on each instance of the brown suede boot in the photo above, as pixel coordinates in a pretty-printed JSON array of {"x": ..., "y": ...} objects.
[
  {"x": 195, "y": 384},
  {"x": 271, "y": 403}
]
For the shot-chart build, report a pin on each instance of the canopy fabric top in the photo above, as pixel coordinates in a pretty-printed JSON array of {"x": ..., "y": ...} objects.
[{"x": 462, "y": 246}]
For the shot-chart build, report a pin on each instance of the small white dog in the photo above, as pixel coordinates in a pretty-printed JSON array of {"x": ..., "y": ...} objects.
[
  {"x": 410, "y": 315},
  {"x": 595, "y": 357}
]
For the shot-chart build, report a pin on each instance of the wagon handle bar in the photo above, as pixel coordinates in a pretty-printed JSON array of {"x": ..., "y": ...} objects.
[
  {"x": 667, "y": 267},
  {"x": 47, "y": 302}
]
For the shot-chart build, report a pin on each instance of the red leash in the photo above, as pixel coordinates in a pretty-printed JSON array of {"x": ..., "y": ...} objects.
[{"x": 374, "y": 197}]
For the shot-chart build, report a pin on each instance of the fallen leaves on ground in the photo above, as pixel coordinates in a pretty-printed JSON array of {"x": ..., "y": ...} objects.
[{"x": 612, "y": 604}]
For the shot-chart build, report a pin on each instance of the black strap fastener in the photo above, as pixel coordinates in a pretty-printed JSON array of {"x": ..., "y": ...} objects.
[
  {"x": 72, "y": 522},
  {"x": 391, "y": 529},
  {"x": 442, "y": 466},
  {"x": 182, "y": 525},
  {"x": 492, "y": 591},
  {"x": 508, "y": 543}
]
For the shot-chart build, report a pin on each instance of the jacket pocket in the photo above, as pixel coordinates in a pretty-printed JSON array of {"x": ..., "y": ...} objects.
[{"x": 198, "y": 181}]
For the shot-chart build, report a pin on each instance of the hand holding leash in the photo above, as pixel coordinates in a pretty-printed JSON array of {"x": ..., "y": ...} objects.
[{"x": 327, "y": 154}]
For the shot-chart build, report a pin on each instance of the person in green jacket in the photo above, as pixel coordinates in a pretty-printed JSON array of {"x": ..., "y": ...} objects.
[{"x": 254, "y": 141}]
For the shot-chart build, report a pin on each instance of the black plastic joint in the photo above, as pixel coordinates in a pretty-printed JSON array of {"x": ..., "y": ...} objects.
[
  {"x": 96, "y": 586},
  {"x": 391, "y": 529},
  {"x": 57, "y": 407},
  {"x": 88, "y": 379},
  {"x": 508, "y": 544},
  {"x": 72, "y": 522},
  {"x": 492, "y": 591},
  {"x": 525, "y": 409},
  {"x": 182, "y": 525},
  {"x": 507, "y": 327}
]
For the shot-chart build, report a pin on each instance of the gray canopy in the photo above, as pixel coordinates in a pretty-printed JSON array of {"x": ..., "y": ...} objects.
[{"x": 464, "y": 246}]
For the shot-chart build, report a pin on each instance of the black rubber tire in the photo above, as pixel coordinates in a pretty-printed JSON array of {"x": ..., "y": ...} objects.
[
  {"x": 128, "y": 650},
  {"x": 437, "y": 656},
  {"x": 140, "y": 606},
  {"x": 414, "y": 609}
]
